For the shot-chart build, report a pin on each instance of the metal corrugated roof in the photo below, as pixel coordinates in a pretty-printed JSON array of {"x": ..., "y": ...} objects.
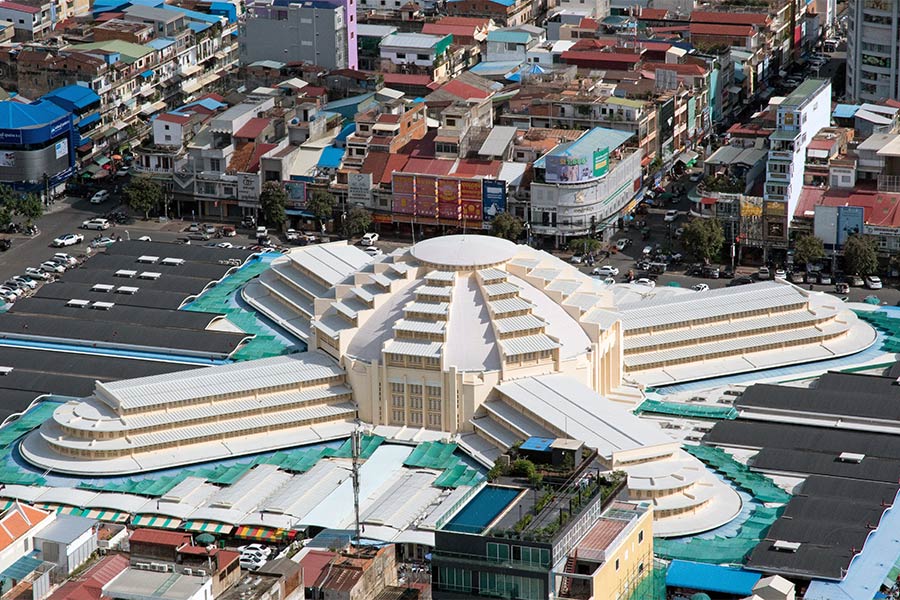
[
  {"x": 530, "y": 343},
  {"x": 499, "y": 289},
  {"x": 425, "y": 349},
  {"x": 520, "y": 323},
  {"x": 428, "y": 308},
  {"x": 435, "y": 327},
  {"x": 508, "y": 305},
  {"x": 224, "y": 379}
]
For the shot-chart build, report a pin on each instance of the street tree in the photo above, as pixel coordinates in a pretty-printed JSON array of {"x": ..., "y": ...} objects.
[
  {"x": 321, "y": 205},
  {"x": 357, "y": 222},
  {"x": 507, "y": 226},
  {"x": 273, "y": 203},
  {"x": 30, "y": 208},
  {"x": 860, "y": 257},
  {"x": 807, "y": 249},
  {"x": 703, "y": 238},
  {"x": 143, "y": 194},
  {"x": 584, "y": 245}
]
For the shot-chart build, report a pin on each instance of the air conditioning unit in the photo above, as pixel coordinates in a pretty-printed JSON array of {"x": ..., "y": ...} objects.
[
  {"x": 188, "y": 571},
  {"x": 200, "y": 572},
  {"x": 144, "y": 566}
]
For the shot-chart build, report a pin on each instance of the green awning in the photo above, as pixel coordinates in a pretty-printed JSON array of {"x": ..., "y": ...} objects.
[{"x": 101, "y": 160}]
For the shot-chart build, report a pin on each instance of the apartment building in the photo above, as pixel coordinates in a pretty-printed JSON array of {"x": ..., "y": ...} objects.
[
  {"x": 873, "y": 50},
  {"x": 35, "y": 19},
  {"x": 418, "y": 54},
  {"x": 318, "y": 32},
  {"x": 799, "y": 117},
  {"x": 505, "y": 13}
]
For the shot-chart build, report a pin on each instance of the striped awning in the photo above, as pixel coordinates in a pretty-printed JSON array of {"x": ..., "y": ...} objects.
[
  {"x": 4, "y": 504},
  {"x": 260, "y": 533},
  {"x": 72, "y": 510},
  {"x": 159, "y": 521},
  {"x": 209, "y": 527},
  {"x": 101, "y": 514}
]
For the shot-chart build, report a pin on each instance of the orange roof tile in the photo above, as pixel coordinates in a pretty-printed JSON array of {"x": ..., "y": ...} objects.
[
  {"x": 18, "y": 520},
  {"x": 722, "y": 30},
  {"x": 729, "y": 18}
]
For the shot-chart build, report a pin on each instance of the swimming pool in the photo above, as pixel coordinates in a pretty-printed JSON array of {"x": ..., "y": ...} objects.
[{"x": 482, "y": 509}]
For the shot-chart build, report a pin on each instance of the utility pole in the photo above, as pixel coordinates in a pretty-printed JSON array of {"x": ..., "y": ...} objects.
[{"x": 355, "y": 438}]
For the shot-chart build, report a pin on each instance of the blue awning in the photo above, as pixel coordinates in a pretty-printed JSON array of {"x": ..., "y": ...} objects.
[
  {"x": 84, "y": 141},
  {"x": 88, "y": 120},
  {"x": 22, "y": 568},
  {"x": 710, "y": 578},
  {"x": 299, "y": 213},
  {"x": 147, "y": 74}
]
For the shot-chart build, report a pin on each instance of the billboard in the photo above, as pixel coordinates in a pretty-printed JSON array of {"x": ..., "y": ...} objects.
[
  {"x": 493, "y": 198},
  {"x": 296, "y": 191},
  {"x": 568, "y": 169},
  {"x": 849, "y": 222},
  {"x": 471, "y": 210},
  {"x": 601, "y": 162},
  {"x": 402, "y": 204},
  {"x": 470, "y": 189},
  {"x": 402, "y": 183}
]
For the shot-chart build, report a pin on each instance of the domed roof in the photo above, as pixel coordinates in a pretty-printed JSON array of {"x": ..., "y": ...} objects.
[{"x": 464, "y": 251}]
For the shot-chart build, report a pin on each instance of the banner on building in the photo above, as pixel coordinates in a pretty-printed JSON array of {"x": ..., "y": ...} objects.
[
  {"x": 359, "y": 188},
  {"x": 62, "y": 148},
  {"x": 7, "y": 159},
  {"x": 601, "y": 162},
  {"x": 493, "y": 198},
  {"x": 471, "y": 210},
  {"x": 403, "y": 184},
  {"x": 403, "y": 204},
  {"x": 296, "y": 192}
]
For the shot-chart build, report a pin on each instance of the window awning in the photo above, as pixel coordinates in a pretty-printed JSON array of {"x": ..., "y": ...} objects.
[
  {"x": 708, "y": 201},
  {"x": 107, "y": 515},
  {"x": 209, "y": 527},
  {"x": 299, "y": 213},
  {"x": 260, "y": 533},
  {"x": 735, "y": 89},
  {"x": 147, "y": 74},
  {"x": 159, "y": 521},
  {"x": 688, "y": 156},
  {"x": 153, "y": 108},
  {"x": 72, "y": 510},
  {"x": 22, "y": 568},
  {"x": 189, "y": 87},
  {"x": 88, "y": 120}
]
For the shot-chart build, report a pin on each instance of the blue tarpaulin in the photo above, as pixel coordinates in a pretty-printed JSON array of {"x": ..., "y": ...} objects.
[
  {"x": 88, "y": 120},
  {"x": 147, "y": 74},
  {"x": 536, "y": 444},
  {"x": 710, "y": 578},
  {"x": 331, "y": 157}
]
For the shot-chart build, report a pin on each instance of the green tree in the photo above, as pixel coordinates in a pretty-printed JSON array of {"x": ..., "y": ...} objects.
[
  {"x": 143, "y": 194},
  {"x": 273, "y": 203},
  {"x": 584, "y": 245},
  {"x": 807, "y": 249},
  {"x": 357, "y": 222},
  {"x": 860, "y": 257},
  {"x": 321, "y": 204},
  {"x": 704, "y": 238},
  {"x": 6, "y": 216},
  {"x": 507, "y": 226},
  {"x": 30, "y": 208}
]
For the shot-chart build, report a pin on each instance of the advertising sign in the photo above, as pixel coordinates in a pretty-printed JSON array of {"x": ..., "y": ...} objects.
[
  {"x": 426, "y": 207},
  {"x": 601, "y": 162},
  {"x": 470, "y": 189},
  {"x": 493, "y": 198},
  {"x": 403, "y": 184},
  {"x": 248, "y": 186},
  {"x": 359, "y": 187},
  {"x": 402, "y": 204},
  {"x": 471, "y": 210},
  {"x": 448, "y": 191},
  {"x": 849, "y": 222},
  {"x": 296, "y": 191},
  {"x": 62, "y": 148},
  {"x": 426, "y": 186},
  {"x": 7, "y": 159}
]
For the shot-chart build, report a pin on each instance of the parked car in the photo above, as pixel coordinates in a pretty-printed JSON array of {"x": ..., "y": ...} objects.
[
  {"x": 740, "y": 281},
  {"x": 855, "y": 281},
  {"x": 671, "y": 216},
  {"x": 576, "y": 259},
  {"x": 265, "y": 550},
  {"x": 678, "y": 233},
  {"x": 645, "y": 282},
  {"x": 5, "y": 244},
  {"x": 292, "y": 235},
  {"x": 824, "y": 278},
  {"x": 873, "y": 282},
  {"x": 145, "y": 238},
  {"x": 372, "y": 251},
  {"x": 209, "y": 229},
  {"x": 26, "y": 281},
  {"x": 695, "y": 177},
  {"x": 98, "y": 223},
  {"x": 606, "y": 271},
  {"x": 842, "y": 287},
  {"x": 52, "y": 267},
  {"x": 711, "y": 272},
  {"x": 7, "y": 296},
  {"x": 68, "y": 259},
  {"x": 224, "y": 245},
  {"x": 102, "y": 242},
  {"x": 700, "y": 287},
  {"x": 647, "y": 250},
  {"x": 780, "y": 274},
  {"x": 763, "y": 273},
  {"x": 100, "y": 197},
  {"x": 37, "y": 274},
  {"x": 228, "y": 231},
  {"x": 369, "y": 239},
  {"x": 69, "y": 239},
  {"x": 193, "y": 227},
  {"x": 622, "y": 244},
  {"x": 797, "y": 276},
  {"x": 251, "y": 563}
]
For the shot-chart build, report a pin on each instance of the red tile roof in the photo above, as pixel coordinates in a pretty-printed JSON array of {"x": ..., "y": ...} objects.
[
  {"x": 21, "y": 7},
  {"x": 313, "y": 564},
  {"x": 396, "y": 162},
  {"x": 722, "y": 30},
  {"x": 429, "y": 166},
  {"x": 252, "y": 129},
  {"x": 815, "y": 144},
  {"x": 469, "y": 21},
  {"x": 588, "y": 23},
  {"x": 463, "y": 31},
  {"x": 464, "y": 91},
  {"x": 600, "y": 57},
  {"x": 18, "y": 520},
  {"x": 880, "y": 208},
  {"x": 89, "y": 586},
  {"x": 654, "y": 14},
  {"x": 174, "y": 118},
  {"x": 729, "y": 18},
  {"x": 478, "y": 168},
  {"x": 260, "y": 149},
  {"x": 592, "y": 44},
  {"x": 656, "y": 46},
  {"x": 375, "y": 164},
  {"x": 406, "y": 79},
  {"x": 159, "y": 537},
  {"x": 681, "y": 69}
]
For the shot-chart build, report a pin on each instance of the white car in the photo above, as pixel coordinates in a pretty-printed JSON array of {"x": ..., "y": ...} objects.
[
  {"x": 7, "y": 296},
  {"x": 99, "y": 223},
  {"x": 621, "y": 244},
  {"x": 763, "y": 273},
  {"x": 606, "y": 271},
  {"x": 145, "y": 238},
  {"x": 251, "y": 563},
  {"x": 372, "y": 251},
  {"x": 36, "y": 273},
  {"x": 69, "y": 239},
  {"x": 264, "y": 550},
  {"x": 100, "y": 197},
  {"x": 671, "y": 216},
  {"x": 26, "y": 281},
  {"x": 780, "y": 273},
  {"x": 66, "y": 258},
  {"x": 292, "y": 235},
  {"x": 700, "y": 287},
  {"x": 873, "y": 282},
  {"x": 369, "y": 239},
  {"x": 12, "y": 290},
  {"x": 262, "y": 232},
  {"x": 645, "y": 282},
  {"x": 224, "y": 245},
  {"x": 52, "y": 267},
  {"x": 576, "y": 259}
]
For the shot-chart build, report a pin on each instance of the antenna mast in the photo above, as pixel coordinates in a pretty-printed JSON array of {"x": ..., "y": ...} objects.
[{"x": 354, "y": 445}]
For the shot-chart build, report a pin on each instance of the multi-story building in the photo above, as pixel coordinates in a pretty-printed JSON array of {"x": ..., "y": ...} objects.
[
  {"x": 873, "y": 50},
  {"x": 799, "y": 117},
  {"x": 417, "y": 53},
  {"x": 318, "y": 32},
  {"x": 506, "y": 13},
  {"x": 584, "y": 187},
  {"x": 35, "y": 19}
]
